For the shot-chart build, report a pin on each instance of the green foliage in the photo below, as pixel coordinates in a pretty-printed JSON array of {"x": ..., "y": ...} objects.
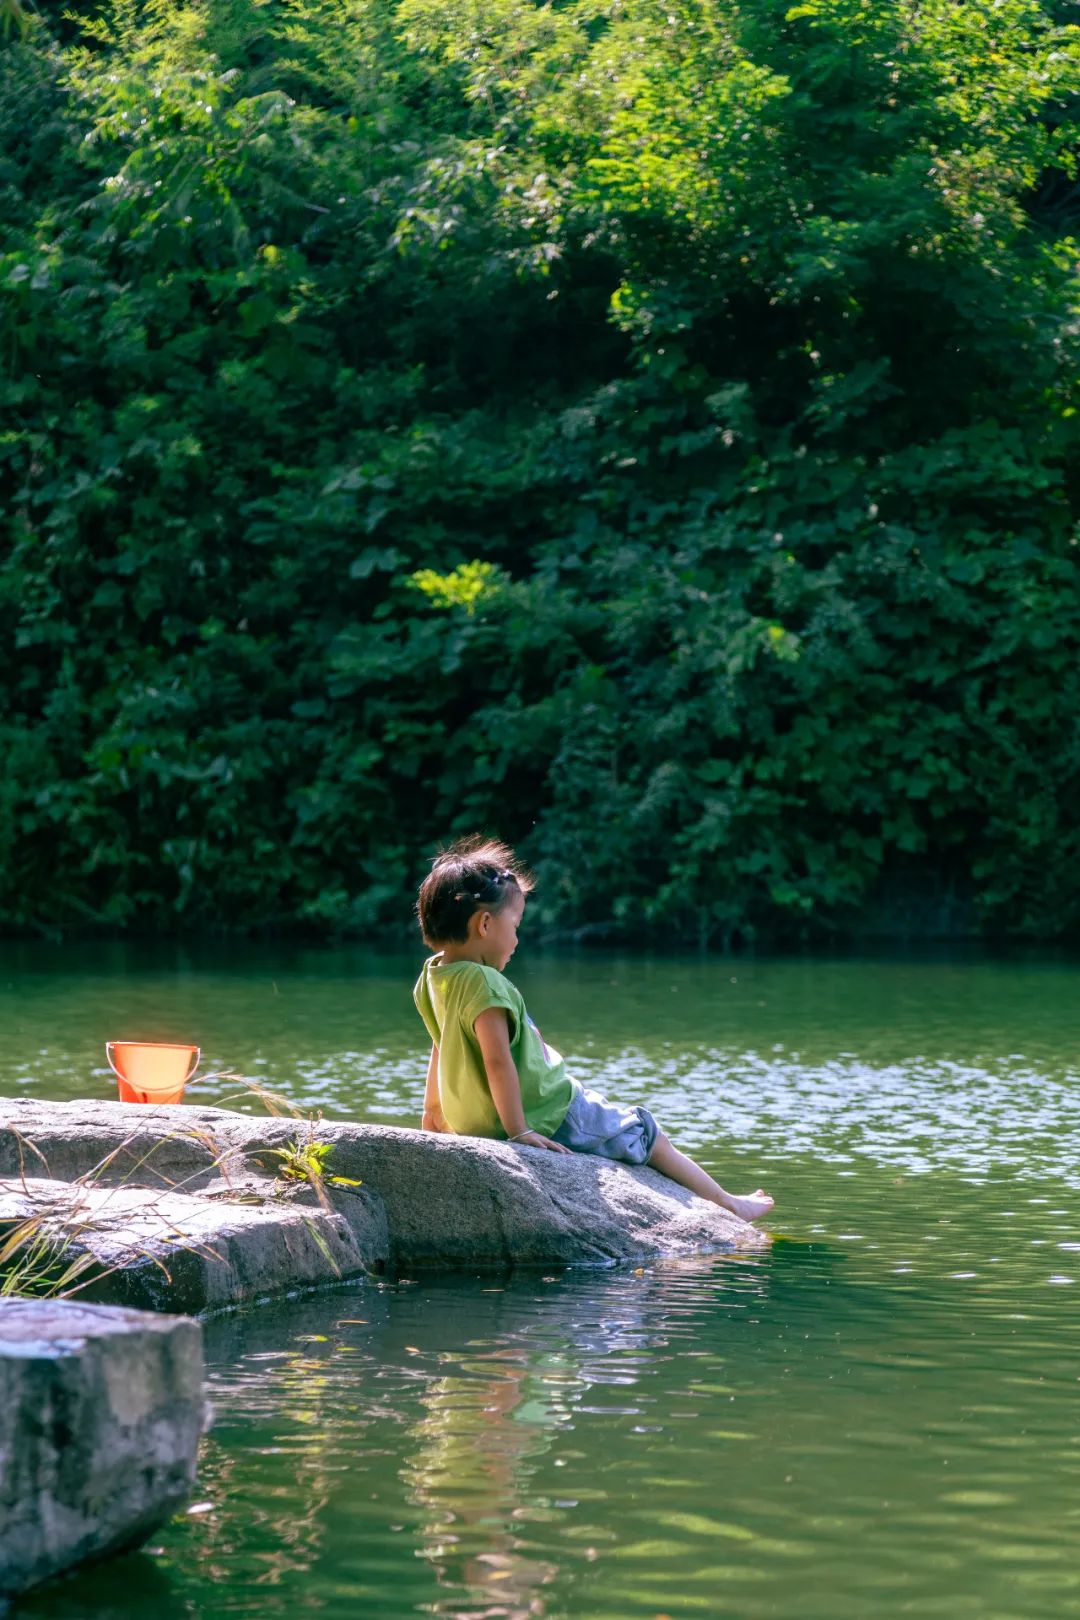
[
  {"x": 307, "y": 1161},
  {"x": 650, "y": 433},
  {"x": 465, "y": 586}
]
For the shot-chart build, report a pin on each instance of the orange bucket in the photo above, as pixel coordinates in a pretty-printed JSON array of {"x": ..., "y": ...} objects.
[{"x": 151, "y": 1071}]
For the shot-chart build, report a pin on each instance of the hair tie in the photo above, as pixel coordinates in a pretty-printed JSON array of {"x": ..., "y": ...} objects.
[{"x": 490, "y": 883}]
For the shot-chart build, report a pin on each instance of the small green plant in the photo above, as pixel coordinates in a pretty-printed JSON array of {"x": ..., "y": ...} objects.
[
  {"x": 296, "y": 1161},
  {"x": 307, "y": 1162}
]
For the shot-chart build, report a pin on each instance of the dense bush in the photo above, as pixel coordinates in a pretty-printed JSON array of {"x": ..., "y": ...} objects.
[{"x": 647, "y": 431}]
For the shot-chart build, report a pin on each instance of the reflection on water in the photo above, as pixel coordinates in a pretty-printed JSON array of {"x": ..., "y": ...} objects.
[
  {"x": 775, "y": 1434},
  {"x": 481, "y": 1426},
  {"x": 874, "y": 1418}
]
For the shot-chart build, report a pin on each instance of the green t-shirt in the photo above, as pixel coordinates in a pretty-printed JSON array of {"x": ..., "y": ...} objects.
[{"x": 449, "y": 998}]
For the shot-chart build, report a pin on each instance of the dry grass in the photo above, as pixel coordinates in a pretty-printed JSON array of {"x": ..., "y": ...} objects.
[{"x": 41, "y": 1253}]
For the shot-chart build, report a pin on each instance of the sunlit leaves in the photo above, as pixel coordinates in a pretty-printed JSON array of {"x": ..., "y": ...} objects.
[{"x": 649, "y": 432}]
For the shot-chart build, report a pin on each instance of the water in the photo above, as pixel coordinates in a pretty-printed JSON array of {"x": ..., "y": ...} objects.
[{"x": 878, "y": 1417}]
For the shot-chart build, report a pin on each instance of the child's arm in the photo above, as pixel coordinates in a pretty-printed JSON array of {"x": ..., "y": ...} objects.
[
  {"x": 503, "y": 1082},
  {"x": 433, "y": 1115}
]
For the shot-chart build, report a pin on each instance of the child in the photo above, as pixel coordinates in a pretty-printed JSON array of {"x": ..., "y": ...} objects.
[{"x": 490, "y": 1071}]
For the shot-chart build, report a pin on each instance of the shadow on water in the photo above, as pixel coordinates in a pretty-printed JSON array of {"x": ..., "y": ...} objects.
[{"x": 126, "y": 1588}]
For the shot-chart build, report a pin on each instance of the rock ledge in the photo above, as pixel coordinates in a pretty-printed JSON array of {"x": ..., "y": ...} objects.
[{"x": 180, "y": 1210}]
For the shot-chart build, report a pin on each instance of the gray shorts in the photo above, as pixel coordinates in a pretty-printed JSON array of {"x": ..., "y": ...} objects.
[{"x": 594, "y": 1125}]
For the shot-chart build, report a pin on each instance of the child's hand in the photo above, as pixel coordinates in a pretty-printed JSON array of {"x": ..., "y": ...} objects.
[
  {"x": 433, "y": 1121},
  {"x": 534, "y": 1139}
]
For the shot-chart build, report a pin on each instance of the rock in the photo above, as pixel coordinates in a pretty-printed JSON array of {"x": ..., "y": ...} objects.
[
  {"x": 450, "y": 1202},
  {"x": 100, "y": 1417},
  {"x": 154, "y": 1249},
  {"x": 153, "y": 1147},
  {"x": 461, "y": 1202}
]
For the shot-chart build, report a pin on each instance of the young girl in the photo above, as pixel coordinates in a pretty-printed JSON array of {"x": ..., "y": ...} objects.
[{"x": 490, "y": 1072}]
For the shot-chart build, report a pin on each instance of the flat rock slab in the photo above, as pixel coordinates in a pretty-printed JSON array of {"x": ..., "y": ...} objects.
[
  {"x": 100, "y": 1417},
  {"x": 156, "y": 1249},
  {"x": 456, "y": 1203}
]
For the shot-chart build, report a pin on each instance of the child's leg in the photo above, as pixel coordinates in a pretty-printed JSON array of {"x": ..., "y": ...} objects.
[{"x": 670, "y": 1162}]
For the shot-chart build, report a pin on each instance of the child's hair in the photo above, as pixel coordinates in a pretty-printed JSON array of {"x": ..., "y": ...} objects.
[{"x": 474, "y": 874}]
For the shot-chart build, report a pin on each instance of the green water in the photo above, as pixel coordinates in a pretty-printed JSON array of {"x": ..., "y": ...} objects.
[{"x": 879, "y": 1417}]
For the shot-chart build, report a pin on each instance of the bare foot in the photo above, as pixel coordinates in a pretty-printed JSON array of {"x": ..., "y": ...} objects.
[{"x": 750, "y": 1207}]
